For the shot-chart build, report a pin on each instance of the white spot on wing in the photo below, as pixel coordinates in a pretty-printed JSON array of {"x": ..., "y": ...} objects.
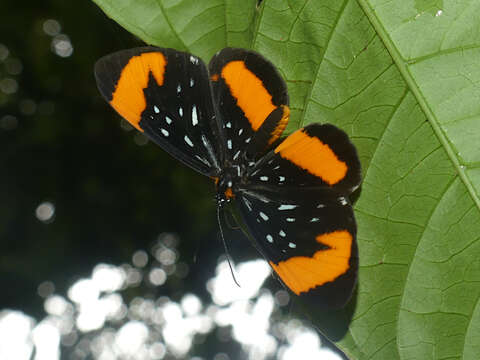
[
  {"x": 229, "y": 144},
  {"x": 194, "y": 115},
  {"x": 202, "y": 160},
  {"x": 269, "y": 238},
  {"x": 156, "y": 109},
  {"x": 164, "y": 132},
  {"x": 287, "y": 207},
  {"x": 236, "y": 155},
  {"x": 256, "y": 195},
  {"x": 188, "y": 141},
  {"x": 210, "y": 151},
  {"x": 281, "y": 178},
  {"x": 193, "y": 59},
  {"x": 292, "y": 245},
  {"x": 179, "y": 89},
  {"x": 314, "y": 220},
  {"x": 342, "y": 200},
  {"x": 282, "y": 233},
  {"x": 229, "y": 125},
  {"x": 180, "y": 111},
  {"x": 264, "y": 178},
  {"x": 168, "y": 120},
  {"x": 240, "y": 132},
  {"x": 192, "y": 82},
  {"x": 319, "y": 206},
  {"x": 263, "y": 216},
  {"x": 290, "y": 219},
  {"x": 247, "y": 204},
  {"x": 247, "y": 140}
]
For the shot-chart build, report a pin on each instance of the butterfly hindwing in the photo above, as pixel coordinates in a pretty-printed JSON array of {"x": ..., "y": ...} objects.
[
  {"x": 166, "y": 94},
  {"x": 295, "y": 205},
  {"x": 251, "y": 100},
  {"x": 308, "y": 238}
]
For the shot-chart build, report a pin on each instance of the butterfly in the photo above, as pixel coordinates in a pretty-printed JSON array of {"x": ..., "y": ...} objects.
[{"x": 226, "y": 122}]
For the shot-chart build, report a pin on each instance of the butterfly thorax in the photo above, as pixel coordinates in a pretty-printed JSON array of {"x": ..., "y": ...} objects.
[{"x": 227, "y": 182}]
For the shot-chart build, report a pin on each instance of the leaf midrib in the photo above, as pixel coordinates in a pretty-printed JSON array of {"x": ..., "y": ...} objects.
[
  {"x": 412, "y": 85},
  {"x": 402, "y": 65}
]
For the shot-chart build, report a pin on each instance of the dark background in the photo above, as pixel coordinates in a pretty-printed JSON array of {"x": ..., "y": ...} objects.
[{"x": 62, "y": 143}]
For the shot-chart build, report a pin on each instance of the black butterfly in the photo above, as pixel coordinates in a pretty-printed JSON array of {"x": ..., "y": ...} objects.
[{"x": 225, "y": 122}]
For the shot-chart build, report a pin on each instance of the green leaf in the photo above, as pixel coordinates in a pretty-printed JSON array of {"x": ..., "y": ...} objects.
[
  {"x": 201, "y": 27},
  {"x": 402, "y": 77}
]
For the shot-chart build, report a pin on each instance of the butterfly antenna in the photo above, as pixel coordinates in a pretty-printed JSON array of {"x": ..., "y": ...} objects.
[{"x": 225, "y": 247}]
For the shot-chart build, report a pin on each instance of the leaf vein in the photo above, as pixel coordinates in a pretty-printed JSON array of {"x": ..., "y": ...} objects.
[
  {"x": 170, "y": 25},
  {"x": 432, "y": 212},
  {"x": 322, "y": 57}
]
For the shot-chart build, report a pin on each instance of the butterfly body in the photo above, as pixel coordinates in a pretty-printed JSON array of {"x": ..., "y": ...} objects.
[{"x": 225, "y": 122}]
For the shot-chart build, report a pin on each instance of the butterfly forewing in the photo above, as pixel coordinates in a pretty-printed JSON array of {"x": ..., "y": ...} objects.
[
  {"x": 166, "y": 94},
  {"x": 251, "y": 100}
]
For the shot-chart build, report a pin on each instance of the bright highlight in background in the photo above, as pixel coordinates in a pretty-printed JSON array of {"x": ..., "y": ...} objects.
[
  {"x": 15, "y": 336},
  {"x": 94, "y": 320},
  {"x": 45, "y": 211}
]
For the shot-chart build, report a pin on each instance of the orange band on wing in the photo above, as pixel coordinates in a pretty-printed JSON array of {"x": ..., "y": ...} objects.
[
  {"x": 282, "y": 124},
  {"x": 311, "y": 154},
  {"x": 301, "y": 273},
  {"x": 251, "y": 95},
  {"x": 128, "y": 98}
]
